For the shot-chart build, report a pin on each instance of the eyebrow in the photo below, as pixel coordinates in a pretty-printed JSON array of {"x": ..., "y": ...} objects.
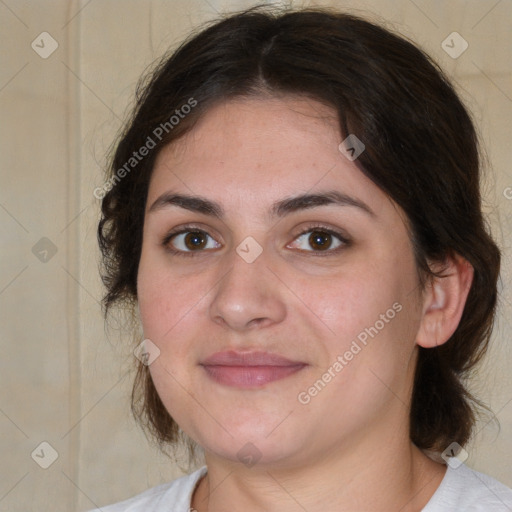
[{"x": 281, "y": 208}]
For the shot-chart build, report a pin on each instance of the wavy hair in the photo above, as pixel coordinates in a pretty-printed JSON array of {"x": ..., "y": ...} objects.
[{"x": 421, "y": 149}]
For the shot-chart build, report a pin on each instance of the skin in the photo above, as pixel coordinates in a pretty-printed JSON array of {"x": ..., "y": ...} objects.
[{"x": 348, "y": 448}]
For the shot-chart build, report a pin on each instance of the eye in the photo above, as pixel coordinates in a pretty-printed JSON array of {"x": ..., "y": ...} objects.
[
  {"x": 320, "y": 239},
  {"x": 191, "y": 240}
]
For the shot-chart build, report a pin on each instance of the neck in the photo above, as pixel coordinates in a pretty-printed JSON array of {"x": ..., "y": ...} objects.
[{"x": 389, "y": 475}]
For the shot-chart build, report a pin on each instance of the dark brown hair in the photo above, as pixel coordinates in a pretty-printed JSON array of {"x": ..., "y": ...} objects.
[{"x": 421, "y": 150}]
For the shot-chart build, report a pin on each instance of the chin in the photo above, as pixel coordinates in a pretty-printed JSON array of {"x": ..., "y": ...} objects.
[
  {"x": 251, "y": 452},
  {"x": 251, "y": 444}
]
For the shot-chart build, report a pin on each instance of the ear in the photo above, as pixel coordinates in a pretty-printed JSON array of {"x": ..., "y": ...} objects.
[{"x": 444, "y": 299}]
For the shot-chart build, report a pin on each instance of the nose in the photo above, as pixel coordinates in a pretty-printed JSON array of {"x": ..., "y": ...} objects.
[{"x": 248, "y": 296}]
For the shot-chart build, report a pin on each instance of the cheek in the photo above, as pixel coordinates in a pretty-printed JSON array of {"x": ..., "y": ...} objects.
[
  {"x": 370, "y": 360},
  {"x": 165, "y": 307},
  {"x": 353, "y": 301},
  {"x": 154, "y": 305},
  {"x": 172, "y": 310},
  {"x": 373, "y": 316},
  {"x": 163, "y": 298}
]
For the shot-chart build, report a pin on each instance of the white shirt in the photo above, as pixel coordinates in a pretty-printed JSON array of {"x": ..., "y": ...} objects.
[{"x": 461, "y": 490}]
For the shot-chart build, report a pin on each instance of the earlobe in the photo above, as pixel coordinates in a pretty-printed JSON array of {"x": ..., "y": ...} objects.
[{"x": 444, "y": 299}]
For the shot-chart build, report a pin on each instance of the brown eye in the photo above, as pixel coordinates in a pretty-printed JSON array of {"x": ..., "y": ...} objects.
[
  {"x": 320, "y": 240},
  {"x": 195, "y": 240},
  {"x": 189, "y": 241}
]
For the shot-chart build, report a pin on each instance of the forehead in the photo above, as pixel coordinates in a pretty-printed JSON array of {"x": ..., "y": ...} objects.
[{"x": 251, "y": 152}]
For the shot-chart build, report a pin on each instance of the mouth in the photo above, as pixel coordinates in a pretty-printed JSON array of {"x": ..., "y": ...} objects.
[{"x": 249, "y": 369}]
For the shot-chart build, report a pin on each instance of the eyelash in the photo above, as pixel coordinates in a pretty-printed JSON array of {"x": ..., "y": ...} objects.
[{"x": 345, "y": 242}]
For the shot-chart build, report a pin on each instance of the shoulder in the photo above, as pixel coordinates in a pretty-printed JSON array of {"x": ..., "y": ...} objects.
[
  {"x": 169, "y": 497},
  {"x": 463, "y": 488}
]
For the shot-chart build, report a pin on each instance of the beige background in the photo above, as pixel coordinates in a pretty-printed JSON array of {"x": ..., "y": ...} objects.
[{"x": 65, "y": 380}]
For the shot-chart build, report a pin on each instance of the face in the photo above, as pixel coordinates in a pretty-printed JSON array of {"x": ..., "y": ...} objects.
[{"x": 284, "y": 321}]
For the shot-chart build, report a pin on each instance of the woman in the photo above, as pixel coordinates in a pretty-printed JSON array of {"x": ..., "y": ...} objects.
[{"x": 294, "y": 207}]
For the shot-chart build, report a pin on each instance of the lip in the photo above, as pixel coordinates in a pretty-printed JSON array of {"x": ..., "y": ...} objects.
[{"x": 249, "y": 369}]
